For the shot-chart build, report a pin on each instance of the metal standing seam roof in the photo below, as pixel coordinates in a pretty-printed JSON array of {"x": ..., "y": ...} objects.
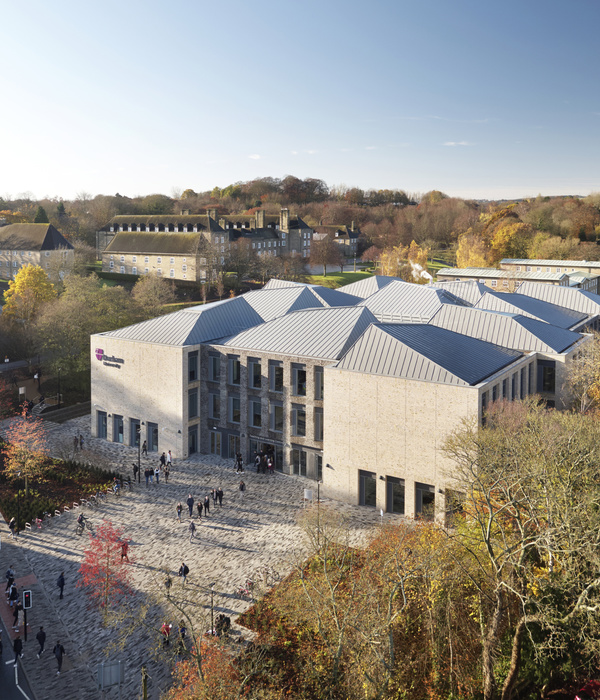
[
  {"x": 401, "y": 301},
  {"x": 494, "y": 273},
  {"x": 427, "y": 353},
  {"x": 551, "y": 263},
  {"x": 567, "y": 297},
  {"x": 275, "y": 302},
  {"x": 513, "y": 331},
  {"x": 318, "y": 333},
  {"x": 275, "y": 283},
  {"x": 467, "y": 290},
  {"x": 369, "y": 285},
  {"x": 197, "y": 324},
  {"x": 528, "y": 306},
  {"x": 334, "y": 297}
]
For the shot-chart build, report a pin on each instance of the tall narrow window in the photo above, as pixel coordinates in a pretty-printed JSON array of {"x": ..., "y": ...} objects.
[
  {"x": 193, "y": 366},
  {"x": 276, "y": 416},
  {"x": 319, "y": 377},
  {"x": 299, "y": 379},
  {"x": 255, "y": 412},
  {"x": 319, "y": 424},
  {"x": 234, "y": 409},
  {"x": 276, "y": 376},
  {"x": 298, "y": 420},
  {"x": 193, "y": 403},
  {"x": 234, "y": 370},
  {"x": 214, "y": 405},
  {"x": 214, "y": 368},
  {"x": 254, "y": 373}
]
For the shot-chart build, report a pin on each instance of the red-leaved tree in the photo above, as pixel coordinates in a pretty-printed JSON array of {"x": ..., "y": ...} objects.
[
  {"x": 103, "y": 573},
  {"x": 26, "y": 450}
]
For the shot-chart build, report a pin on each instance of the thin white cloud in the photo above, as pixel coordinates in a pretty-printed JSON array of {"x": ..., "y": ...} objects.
[
  {"x": 312, "y": 152},
  {"x": 294, "y": 153},
  {"x": 457, "y": 143},
  {"x": 254, "y": 156},
  {"x": 370, "y": 148}
]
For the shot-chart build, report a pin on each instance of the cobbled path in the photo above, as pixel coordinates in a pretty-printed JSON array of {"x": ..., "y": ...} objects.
[{"x": 233, "y": 543}]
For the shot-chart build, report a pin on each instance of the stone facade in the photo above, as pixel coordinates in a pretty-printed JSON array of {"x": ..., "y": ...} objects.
[{"x": 171, "y": 266}]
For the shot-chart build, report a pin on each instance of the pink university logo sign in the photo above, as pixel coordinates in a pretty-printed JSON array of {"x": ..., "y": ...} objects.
[{"x": 99, "y": 354}]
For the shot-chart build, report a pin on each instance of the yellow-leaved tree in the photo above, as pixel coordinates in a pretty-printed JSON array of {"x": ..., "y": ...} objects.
[
  {"x": 472, "y": 250},
  {"x": 29, "y": 291}
]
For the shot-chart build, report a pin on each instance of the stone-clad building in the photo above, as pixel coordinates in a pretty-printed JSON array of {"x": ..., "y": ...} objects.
[
  {"x": 34, "y": 244},
  {"x": 357, "y": 387}
]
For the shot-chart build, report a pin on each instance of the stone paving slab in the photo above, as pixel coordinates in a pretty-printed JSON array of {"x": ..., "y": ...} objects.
[{"x": 233, "y": 543}]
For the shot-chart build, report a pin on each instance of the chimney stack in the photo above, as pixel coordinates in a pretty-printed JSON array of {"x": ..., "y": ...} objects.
[
  {"x": 260, "y": 218},
  {"x": 284, "y": 220}
]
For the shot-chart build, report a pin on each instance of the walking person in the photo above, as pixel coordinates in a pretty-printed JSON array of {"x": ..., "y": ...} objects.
[
  {"x": 135, "y": 472},
  {"x": 220, "y": 496},
  {"x": 184, "y": 571},
  {"x": 41, "y": 638},
  {"x": 242, "y": 490},
  {"x": 13, "y": 595},
  {"x": 157, "y": 472},
  {"x": 16, "y": 612},
  {"x": 12, "y": 526},
  {"x": 18, "y": 649},
  {"x": 163, "y": 459},
  {"x": 169, "y": 459},
  {"x": 144, "y": 449},
  {"x": 10, "y": 577},
  {"x": 206, "y": 505},
  {"x": 192, "y": 529},
  {"x": 213, "y": 493},
  {"x": 179, "y": 509},
  {"x": 75, "y": 443},
  {"x": 60, "y": 582},
  {"x": 147, "y": 475},
  {"x": 190, "y": 503},
  {"x": 199, "y": 507},
  {"x": 80, "y": 442},
  {"x": 59, "y": 652},
  {"x": 124, "y": 551},
  {"x": 167, "y": 471}
]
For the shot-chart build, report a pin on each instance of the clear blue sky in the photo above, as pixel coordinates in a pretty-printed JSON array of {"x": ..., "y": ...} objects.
[{"x": 474, "y": 98}]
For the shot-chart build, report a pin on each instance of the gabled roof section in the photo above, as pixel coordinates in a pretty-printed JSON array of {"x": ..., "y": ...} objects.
[
  {"x": 467, "y": 290},
  {"x": 369, "y": 285},
  {"x": 148, "y": 242},
  {"x": 275, "y": 283},
  {"x": 401, "y": 301},
  {"x": 495, "y": 273},
  {"x": 426, "y": 353},
  {"x": 574, "y": 299},
  {"x": 516, "y": 332},
  {"x": 32, "y": 237},
  {"x": 275, "y": 302},
  {"x": 334, "y": 297},
  {"x": 318, "y": 333},
  {"x": 551, "y": 263},
  {"x": 197, "y": 324},
  {"x": 203, "y": 221},
  {"x": 528, "y": 306}
]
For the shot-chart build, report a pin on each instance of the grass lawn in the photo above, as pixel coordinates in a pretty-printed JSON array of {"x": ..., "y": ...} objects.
[{"x": 337, "y": 279}]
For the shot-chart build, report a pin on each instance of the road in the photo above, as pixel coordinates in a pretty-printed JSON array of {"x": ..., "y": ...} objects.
[{"x": 8, "y": 679}]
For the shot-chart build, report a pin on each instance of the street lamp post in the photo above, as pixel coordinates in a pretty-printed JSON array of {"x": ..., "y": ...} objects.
[
  {"x": 138, "y": 432},
  {"x": 59, "y": 387},
  {"x": 18, "y": 502},
  {"x": 212, "y": 608}
]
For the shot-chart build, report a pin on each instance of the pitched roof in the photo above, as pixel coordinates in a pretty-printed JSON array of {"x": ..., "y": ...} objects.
[
  {"x": 32, "y": 237},
  {"x": 401, "y": 301},
  {"x": 567, "y": 297},
  {"x": 513, "y": 331},
  {"x": 426, "y": 353},
  {"x": 275, "y": 283},
  {"x": 147, "y": 242},
  {"x": 197, "y": 324},
  {"x": 369, "y": 285},
  {"x": 320, "y": 333},
  {"x": 528, "y": 306},
  {"x": 202, "y": 220},
  {"x": 492, "y": 272},
  {"x": 467, "y": 290},
  {"x": 551, "y": 263}
]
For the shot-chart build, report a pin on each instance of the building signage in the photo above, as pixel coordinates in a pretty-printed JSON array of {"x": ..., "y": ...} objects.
[{"x": 109, "y": 360}]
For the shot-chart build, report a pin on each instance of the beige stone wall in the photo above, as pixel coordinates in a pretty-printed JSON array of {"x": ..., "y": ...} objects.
[
  {"x": 54, "y": 262},
  {"x": 394, "y": 427},
  {"x": 148, "y": 386},
  {"x": 185, "y": 267}
]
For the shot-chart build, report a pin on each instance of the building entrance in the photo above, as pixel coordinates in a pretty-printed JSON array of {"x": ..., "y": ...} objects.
[{"x": 268, "y": 448}]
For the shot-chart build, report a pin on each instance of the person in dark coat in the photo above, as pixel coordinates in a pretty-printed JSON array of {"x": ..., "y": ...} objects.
[
  {"x": 199, "y": 507},
  {"x": 60, "y": 582},
  {"x": 220, "y": 496},
  {"x": 18, "y": 649},
  {"x": 206, "y": 505},
  {"x": 213, "y": 493},
  {"x": 59, "y": 651},
  {"x": 41, "y": 638},
  {"x": 190, "y": 504}
]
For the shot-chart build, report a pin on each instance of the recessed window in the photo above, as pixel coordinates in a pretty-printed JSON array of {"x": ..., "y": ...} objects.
[
  {"x": 234, "y": 409},
  {"x": 214, "y": 368},
  {"x": 159, "y": 261},
  {"x": 255, "y": 412},
  {"x": 193, "y": 403},
  {"x": 193, "y": 366},
  {"x": 122, "y": 258},
  {"x": 276, "y": 376},
  {"x": 172, "y": 260},
  {"x": 254, "y": 374},
  {"x": 214, "y": 405},
  {"x": 146, "y": 259},
  {"x": 494, "y": 283},
  {"x": 134, "y": 258},
  {"x": 299, "y": 420},
  {"x": 134, "y": 270},
  {"x": 172, "y": 273},
  {"x": 319, "y": 383},
  {"x": 319, "y": 424},
  {"x": 235, "y": 369},
  {"x": 122, "y": 269},
  {"x": 299, "y": 379},
  {"x": 276, "y": 416}
]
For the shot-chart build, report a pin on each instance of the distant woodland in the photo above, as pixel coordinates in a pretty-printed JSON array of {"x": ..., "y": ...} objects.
[{"x": 463, "y": 232}]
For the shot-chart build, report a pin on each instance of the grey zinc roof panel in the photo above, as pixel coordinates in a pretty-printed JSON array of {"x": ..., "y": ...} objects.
[
  {"x": 195, "y": 325},
  {"x": 552, "y": 263},
  {"x": 528, "y": 306},
  {"x": 272, "y": 303},
  {"x": 324, "y": 333},
  {"x": 401, "y": 301},
  {"x": 575, "y": 299},
  {"x": 467, "y": 290},
  {"x": 334, "y": 297},
  {"x": 426, "y": 353},
  {"x": 492, "y": 272},
  {"x": 516, "y": 332},
  {"x": 369, "y": 285},
  {"x": 275, "y": 283}
]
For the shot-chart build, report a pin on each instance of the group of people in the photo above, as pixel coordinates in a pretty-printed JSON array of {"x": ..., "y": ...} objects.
[
  {"x": 163, "y": 467},
  {"x": 264, "y": 462},
  {"x": 77, "y": 443},
  {"x": 216, "y": 495},
  {"x": 12, "y": 599}
]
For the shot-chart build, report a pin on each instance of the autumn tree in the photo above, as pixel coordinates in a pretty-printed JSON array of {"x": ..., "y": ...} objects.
[
  {"x": 104, "y": 575},
  {"x": 325, "y": 251},
  {"x": 510, "y": 240},
  {"x": 531, "y": 524},
  {"x": 153, "y": 293},
  {"x": 28, "y": 293},
  {"x": 472, "y": 250},
  {"x": 582, "y": 377},
  {"x": 26, "y": 449},
  {"x": 8, "y": 402}
]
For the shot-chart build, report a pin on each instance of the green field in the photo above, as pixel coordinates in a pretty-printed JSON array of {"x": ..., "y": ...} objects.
[{"x": 337, "y": 279}]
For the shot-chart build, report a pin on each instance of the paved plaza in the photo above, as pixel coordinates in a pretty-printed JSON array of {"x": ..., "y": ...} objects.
[{"x": 233, "y": 543}]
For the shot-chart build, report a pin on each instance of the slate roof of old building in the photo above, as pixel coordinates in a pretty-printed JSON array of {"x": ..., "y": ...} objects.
[
  {"x": 32, "y": 237},
  {"x": 156, "y": 243},
  {"x": 426, "y": 353},
  {"x": 202, "y": 220}
]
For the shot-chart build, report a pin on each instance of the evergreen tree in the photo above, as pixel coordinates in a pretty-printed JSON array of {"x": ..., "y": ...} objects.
[{"x": 40, "y": 216}]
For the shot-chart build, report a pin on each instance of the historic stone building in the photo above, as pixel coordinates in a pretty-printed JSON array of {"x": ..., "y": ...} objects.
[{"x": 34, "y": 244}]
